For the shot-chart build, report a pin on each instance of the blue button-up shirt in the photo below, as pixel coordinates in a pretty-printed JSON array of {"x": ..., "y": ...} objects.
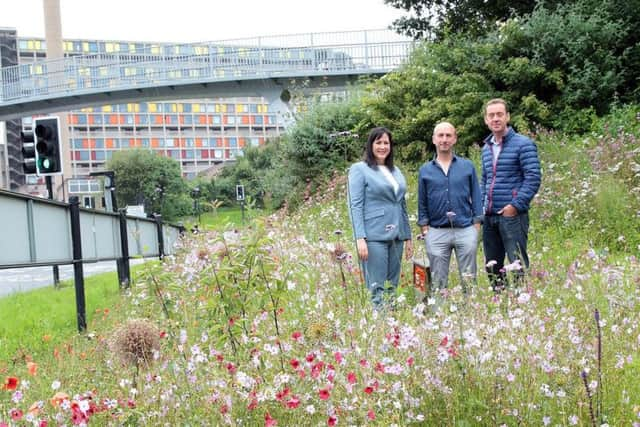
[{"x": 449, "y": 200}]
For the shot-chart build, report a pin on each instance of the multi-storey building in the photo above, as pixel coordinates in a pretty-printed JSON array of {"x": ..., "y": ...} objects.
[{"x": 198, "y": 133}]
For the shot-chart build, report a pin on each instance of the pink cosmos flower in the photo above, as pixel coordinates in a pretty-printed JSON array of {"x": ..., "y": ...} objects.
[
  {"x": 282, "y": 394},
  {"x": 253, "y": 404},
  {"x": 293, "y": 403},
  {"x": 351, "y": 377},
  {"x": 324, "y": 394},
  {"x": 514, "y": 266},
  {"x": 296, "y": 335},
  {"x": 268, "y": 421},
  {"x": 16, "y": 414},
  {"x": 371, "y": 415}
]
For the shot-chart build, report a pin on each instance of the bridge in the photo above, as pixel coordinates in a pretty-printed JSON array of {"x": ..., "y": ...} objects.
[{"x": 261, "y": 66}]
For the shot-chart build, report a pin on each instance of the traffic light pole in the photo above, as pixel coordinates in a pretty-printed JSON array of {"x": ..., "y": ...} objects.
[{"x": 56, "y": 271}]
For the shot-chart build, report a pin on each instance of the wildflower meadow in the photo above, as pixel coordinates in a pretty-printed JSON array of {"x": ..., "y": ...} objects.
[{"x": 271, "y": 325}]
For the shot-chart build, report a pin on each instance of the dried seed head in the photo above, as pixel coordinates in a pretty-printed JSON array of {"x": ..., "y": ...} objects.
[{"x": 135, "y": 341}]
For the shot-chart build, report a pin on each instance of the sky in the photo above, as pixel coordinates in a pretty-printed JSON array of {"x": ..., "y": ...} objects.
[{"x": 197, "y": 20}]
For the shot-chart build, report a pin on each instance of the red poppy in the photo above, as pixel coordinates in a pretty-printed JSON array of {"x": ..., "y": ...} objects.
[
  {"x": 11, "y": 383},
  {"x": 294, "y": 363},
  {"x": 296, "y": 335},
  {"x": 332, "y": 421},
  {"x": 368, "y": 389},
  {"x": 351, "y": 377},
  {"x": 324, "y": 394},
  {"x": 371, "y": 415}
]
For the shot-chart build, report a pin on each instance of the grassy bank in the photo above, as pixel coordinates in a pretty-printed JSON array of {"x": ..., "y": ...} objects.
[{"x": 271, "y": 325}]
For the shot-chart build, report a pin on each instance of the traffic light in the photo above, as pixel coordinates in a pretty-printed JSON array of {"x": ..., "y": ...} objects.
[
  {"x": 239, "y": 192},
  {"x": 28, "y": 153},
  {"x": 48, "y": 152}
]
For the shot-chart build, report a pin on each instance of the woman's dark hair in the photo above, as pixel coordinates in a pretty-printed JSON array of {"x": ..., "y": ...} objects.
[{"x": 374, "y": 135}]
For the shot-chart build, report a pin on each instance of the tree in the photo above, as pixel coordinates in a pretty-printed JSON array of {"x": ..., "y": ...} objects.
[
  {"x": 309, "y": 148},
  {"x": 431, "y": 19},
  {"x": 143, "y": 177}
]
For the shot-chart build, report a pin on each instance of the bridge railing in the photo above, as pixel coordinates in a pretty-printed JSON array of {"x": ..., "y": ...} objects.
[{"x": 263, "y": 57}]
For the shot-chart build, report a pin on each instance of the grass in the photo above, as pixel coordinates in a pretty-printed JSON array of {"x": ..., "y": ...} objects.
[
  {"x": 222, "y": 218},
  {"x": 34, "y": 322}
]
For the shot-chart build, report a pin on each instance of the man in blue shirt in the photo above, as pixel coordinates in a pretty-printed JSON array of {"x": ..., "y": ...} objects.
[{"x": 449, "y": 208}]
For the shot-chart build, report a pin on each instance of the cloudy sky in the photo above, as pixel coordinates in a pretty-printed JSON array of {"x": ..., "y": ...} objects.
[{"x": 197, "y": 20}]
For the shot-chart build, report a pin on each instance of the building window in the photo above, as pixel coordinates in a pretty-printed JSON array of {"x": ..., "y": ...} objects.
[{"x": 89, "y": 202}]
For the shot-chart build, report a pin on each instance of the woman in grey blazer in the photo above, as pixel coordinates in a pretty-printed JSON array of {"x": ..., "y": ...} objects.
[{"x": 379, "y": 217}]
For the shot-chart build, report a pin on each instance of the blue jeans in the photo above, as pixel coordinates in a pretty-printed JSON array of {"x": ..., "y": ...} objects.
[
  {"x": 382, "y": 269},
  {"x": 441, "y": 242},
  {"x": 505, "y": 235}
]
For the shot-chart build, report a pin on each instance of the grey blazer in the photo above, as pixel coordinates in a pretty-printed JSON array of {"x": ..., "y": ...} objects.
[{"x": 377, "y": 212}]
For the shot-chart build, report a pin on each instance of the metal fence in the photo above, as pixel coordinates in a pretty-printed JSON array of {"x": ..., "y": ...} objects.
[{"x": 40, "y": 232}]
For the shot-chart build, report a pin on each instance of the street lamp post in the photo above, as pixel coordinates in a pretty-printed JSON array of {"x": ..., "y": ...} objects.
[
  {"x": 343, "y": 138},
  {"x": 195, "y": 194}
]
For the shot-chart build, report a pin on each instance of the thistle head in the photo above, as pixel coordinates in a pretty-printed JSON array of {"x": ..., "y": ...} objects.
[{"x": 135, "y": 342}]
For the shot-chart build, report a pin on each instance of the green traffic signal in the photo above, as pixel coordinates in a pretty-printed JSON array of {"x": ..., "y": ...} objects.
[{"x": 48, "y": 145}]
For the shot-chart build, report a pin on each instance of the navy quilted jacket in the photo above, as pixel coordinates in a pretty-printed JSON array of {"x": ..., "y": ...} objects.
[{"x": 515, "y": 178}]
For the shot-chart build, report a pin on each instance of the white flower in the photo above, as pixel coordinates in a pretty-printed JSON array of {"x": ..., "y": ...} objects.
[
  {"x": 523, "y": 298},
  {"x": 83, "y": 405},
  {"x": 245, "y": 380},
  {"x": 55, "y": 385}
]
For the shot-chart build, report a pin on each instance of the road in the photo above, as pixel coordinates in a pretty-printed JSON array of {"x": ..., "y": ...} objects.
[{"x": 25, "y": 279}]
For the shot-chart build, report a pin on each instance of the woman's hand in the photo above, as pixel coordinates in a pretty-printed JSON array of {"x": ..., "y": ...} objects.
[
  {"x": 408, "y": 249},
  {"x": 363, "y": 251}
]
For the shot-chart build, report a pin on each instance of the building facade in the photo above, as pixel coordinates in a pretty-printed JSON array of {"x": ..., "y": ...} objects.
[{"x": 198, "y": 133}]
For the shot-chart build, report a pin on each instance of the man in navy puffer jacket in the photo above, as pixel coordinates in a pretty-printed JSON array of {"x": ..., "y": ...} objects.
[{"x": 510, "y": 179}]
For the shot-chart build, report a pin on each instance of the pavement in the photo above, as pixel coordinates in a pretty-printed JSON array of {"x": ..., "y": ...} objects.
[{"x": 16, "y": 280}]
